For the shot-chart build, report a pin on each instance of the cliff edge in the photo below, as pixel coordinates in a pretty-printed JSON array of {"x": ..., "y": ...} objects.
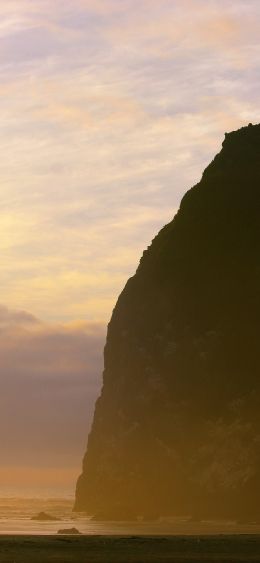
[{"x": 176, "y": 429}]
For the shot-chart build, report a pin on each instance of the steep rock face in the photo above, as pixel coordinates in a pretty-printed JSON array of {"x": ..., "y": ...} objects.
[{"x": 176, "y": 429}]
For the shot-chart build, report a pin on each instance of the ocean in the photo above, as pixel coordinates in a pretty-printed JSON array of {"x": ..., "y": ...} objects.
[{"x": 16, "y": 514}]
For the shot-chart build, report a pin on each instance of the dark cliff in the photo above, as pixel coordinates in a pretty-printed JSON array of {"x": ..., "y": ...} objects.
[{"x": 176, "y": 429}]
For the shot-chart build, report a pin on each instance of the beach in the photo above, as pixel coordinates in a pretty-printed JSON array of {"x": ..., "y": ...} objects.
[
  {"x": 23, "y": 540},
  {"x": 130, "y": 549}
]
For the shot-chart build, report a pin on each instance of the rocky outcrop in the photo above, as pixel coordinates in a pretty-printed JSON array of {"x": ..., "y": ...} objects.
[
  {"x": 69, "y": 532},
  {"x": 44, "y": 517},
  {"x": 176, "y": 429}
]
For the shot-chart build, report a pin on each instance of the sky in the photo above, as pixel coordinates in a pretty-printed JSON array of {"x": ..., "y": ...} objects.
[{"x": 110, "y": 111}]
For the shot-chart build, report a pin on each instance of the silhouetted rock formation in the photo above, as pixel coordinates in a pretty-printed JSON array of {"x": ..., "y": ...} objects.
[
  {"x": 69, "y": 532},
  {"x": 44, "y": 517},
  {"x": 115, "y": 513},
  {"x": 176, "y": 429}
]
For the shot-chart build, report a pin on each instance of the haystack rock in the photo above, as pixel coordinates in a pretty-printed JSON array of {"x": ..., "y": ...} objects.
[{"x": 176, "y": 429}]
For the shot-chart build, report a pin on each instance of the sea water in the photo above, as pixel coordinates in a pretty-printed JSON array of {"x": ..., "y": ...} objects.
[{"x": 16, "y": 518}]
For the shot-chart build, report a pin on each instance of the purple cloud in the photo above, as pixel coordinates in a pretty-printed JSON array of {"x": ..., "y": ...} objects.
[{"x": 50, "y": 378}]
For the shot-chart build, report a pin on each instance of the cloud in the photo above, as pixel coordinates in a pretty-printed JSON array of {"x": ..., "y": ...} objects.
[
  {"x": 179, "y": 27},
  {"x": 16, "y": 319},
  {"x": 50, "y": 379},
  {"x": 110, "y": 111}
]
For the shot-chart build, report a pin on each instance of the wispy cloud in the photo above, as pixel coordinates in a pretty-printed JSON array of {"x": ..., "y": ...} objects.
[
  {"x": 110, "y": 111},
  {"x": 108, "y": 114}
]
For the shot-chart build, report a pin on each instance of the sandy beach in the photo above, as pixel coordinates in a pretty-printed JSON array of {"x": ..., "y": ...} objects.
[{"x": 130, "y": 549}]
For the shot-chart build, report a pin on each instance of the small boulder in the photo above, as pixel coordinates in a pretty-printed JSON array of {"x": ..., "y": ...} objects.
[{"x": 70, "y": 531}]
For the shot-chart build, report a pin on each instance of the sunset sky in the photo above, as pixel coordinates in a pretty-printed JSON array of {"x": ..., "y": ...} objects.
[{"x": 110, "y": 111}]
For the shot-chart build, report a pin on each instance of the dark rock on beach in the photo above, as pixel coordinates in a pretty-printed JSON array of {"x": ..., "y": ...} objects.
[
  {"x": 115, "y": 513},
  {"x": 176, "y": 429},
  {"x": 69, "y": 531}
]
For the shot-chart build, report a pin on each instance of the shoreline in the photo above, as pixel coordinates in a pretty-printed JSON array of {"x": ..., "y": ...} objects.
[{"x": 129, "y": 548}]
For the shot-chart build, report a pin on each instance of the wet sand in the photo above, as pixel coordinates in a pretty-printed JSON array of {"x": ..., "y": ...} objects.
[{"x": 130, "y": 549}]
